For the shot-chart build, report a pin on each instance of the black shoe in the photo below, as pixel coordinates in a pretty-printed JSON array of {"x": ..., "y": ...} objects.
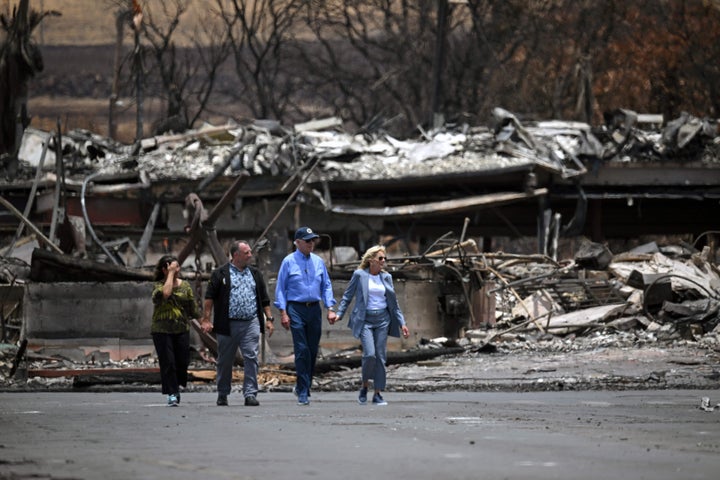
[
  {"x": 222, "y": 400},
  {"x": 251, "y": 401}
]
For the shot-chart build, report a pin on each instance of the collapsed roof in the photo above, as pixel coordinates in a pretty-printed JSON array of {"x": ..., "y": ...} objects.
[
  {"x": 451, "y": 170},
  {"x": 267, "y": 148}
]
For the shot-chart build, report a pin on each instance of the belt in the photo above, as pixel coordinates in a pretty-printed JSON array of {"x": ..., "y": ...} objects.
[
  {"x": 375, "y": 311},
  {"x": 240, "y": 319},
  {"x": 307, "y": 304}
]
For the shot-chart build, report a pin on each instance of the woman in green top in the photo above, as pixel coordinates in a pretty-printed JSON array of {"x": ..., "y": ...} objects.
[{"x": 174, "y": 306}]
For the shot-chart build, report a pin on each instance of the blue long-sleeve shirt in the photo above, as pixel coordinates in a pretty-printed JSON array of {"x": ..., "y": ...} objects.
[{"x": 303, "y": 279}]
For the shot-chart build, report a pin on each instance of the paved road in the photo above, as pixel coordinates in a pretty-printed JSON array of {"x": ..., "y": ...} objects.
[{"x": 446, "y": 435}]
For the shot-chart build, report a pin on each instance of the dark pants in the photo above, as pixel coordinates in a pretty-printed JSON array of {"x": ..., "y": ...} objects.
[
  {"x": 173, "y": 351},
  {"x": 306, "y": 329}
]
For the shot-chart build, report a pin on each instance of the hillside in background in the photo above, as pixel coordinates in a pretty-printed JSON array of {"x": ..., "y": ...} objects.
[
  {"x": 381, "y": 67},
  {"x": 78, "y": 51},
  {"x": 88, "y": 22},
  {"x": 75, "y": 89}
]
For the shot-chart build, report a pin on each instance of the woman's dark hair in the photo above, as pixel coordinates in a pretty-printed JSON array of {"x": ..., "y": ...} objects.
[{"x": 164, "y": 262}]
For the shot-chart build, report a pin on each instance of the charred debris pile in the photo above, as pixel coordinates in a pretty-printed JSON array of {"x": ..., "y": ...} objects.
[
  {"x": 497, "y": 301},
  {"x": 323, "y": 152},
  {"x": 512, "y": 304},
  {"x": 649, "y": 294}
]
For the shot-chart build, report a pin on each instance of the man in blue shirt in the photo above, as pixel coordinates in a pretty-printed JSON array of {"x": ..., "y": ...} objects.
[
  {"x": 302, "y": 283},
  {"x": 237, "y": 293}
]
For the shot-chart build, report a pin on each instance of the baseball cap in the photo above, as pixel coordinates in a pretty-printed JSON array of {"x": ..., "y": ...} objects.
[{"x": 305, "y": 233}]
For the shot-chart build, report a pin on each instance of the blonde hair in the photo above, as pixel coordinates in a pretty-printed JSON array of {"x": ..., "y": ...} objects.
[{"x": 369, "y": 254}]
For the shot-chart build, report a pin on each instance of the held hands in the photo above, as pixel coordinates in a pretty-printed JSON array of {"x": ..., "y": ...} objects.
[
  {"x": 332, "y": 317},
  {"x": 205, "y": 325}
]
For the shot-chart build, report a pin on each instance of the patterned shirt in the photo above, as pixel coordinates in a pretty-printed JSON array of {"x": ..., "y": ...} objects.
[
  {"x": 242, "y": 295},
  {"x": 172, "y": 314}
]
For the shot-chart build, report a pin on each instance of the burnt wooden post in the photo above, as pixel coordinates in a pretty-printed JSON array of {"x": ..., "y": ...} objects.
[
  {"x": 58, "y": 213},
  {"x": 138, "y": 67},
  {"x": 712, "y": 244},
  {"x": 121, "y": 17}
]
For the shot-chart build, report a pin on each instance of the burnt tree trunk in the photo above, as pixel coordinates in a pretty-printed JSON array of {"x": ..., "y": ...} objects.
[{"x": 20, "y": 60}]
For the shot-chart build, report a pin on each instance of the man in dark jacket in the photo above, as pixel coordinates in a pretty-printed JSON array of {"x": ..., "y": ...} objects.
[{"x": 238, "y": 294}]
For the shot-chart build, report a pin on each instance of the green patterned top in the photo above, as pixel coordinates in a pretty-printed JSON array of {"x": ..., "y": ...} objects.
[{"x": 172, "y": 315}]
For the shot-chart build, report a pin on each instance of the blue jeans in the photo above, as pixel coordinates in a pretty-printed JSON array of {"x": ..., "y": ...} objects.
[
  {"x": 373, "y": 337},
  {"x": 245, "y": 335},
  {"x": 306, "y": 329}
]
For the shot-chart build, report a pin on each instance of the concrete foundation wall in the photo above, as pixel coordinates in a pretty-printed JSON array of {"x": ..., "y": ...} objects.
[{"x": 88, "y": 310}]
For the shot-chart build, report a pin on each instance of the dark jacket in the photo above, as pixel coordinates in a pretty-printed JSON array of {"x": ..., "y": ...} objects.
[{"x": 218, "y": 290}]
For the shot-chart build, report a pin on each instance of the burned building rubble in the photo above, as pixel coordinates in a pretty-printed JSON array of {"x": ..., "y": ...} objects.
[
  {"x": 110, "y": 209},
  {"x": 509, "y": 178},
  {"x": 494, "y": 303}
]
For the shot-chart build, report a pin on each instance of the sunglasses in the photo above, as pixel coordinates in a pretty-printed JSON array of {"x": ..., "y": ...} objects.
[{"x": 381, "y": 259}]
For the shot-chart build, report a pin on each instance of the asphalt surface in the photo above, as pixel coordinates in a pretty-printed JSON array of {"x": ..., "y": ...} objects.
[{"x": 653, "y": 434}]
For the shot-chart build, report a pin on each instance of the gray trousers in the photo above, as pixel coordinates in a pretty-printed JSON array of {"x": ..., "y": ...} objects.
[{"x": 245, "y": 335}]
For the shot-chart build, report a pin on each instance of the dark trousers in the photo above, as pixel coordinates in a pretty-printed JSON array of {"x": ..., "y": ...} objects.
[
  {"x": 306, "y": 329},
  {"x": 173, "y": 351}
]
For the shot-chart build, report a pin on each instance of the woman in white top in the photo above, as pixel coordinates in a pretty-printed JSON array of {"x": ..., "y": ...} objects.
[{"x": 375, "y": 315}]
